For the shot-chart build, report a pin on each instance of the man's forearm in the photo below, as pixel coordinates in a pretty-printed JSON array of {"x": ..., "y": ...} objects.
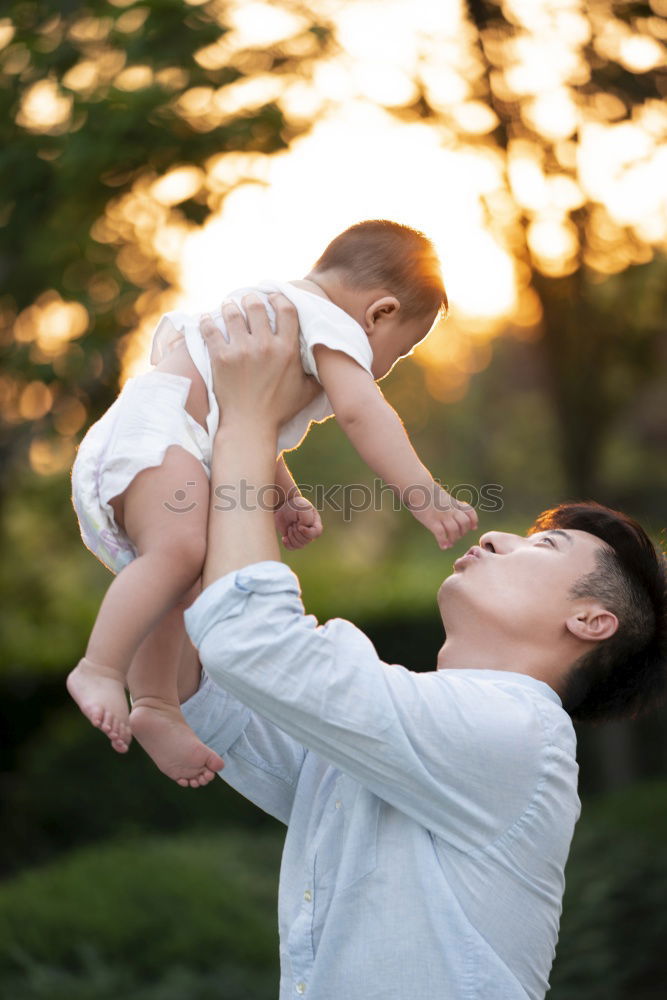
[{"x": 241, "y": 527}]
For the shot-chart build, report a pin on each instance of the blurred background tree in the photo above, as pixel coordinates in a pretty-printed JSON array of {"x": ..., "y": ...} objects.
[
  {"x": 567, "y": 101},
  {"x": 113, "y": 114}
]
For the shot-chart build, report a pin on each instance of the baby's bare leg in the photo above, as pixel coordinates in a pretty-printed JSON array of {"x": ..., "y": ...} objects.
[
  {"x": 189, "y": 668},
  {"x": 156, "y": 719},
  {"x": 170, "y": 537}
]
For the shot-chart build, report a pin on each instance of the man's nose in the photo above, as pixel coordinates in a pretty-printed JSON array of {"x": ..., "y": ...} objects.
[{"x": 500, "y": 542}]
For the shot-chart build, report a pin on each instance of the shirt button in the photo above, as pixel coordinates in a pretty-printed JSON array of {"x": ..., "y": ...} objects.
[
  {"x": 338, "y": 803},
  {"x": 301, "y": 987},
  {"x": 308, "y": 895}
]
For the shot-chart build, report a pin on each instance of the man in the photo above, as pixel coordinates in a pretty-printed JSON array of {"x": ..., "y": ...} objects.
[{"x": 429, "y": 816}]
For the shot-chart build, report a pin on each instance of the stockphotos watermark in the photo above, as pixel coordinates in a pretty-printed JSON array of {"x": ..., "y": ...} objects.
[{"x": 347, "y": 499}]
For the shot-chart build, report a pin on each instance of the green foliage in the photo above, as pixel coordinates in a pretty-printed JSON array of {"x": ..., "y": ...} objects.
[
  {"x": 75, "y": 134},
  {"x": 601, "y": 300},
  {"x": 167, "y": 917},
  {"x": 158, "y": 918},
  {"x": 51, "y": 801},
  {"x": 614, "y": 918}
]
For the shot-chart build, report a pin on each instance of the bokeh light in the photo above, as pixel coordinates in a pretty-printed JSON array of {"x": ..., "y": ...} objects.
[{"x": 495, "y": 141}]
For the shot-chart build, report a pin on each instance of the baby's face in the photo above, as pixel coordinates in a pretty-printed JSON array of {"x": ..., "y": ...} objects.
[{"x": 397, "y": 341}]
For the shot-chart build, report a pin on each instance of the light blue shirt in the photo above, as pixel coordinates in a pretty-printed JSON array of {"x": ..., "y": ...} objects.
[{"x": 429, "y": 816}]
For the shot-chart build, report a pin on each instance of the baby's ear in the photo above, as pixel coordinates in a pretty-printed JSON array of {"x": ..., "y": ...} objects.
[{"x": 381, "y": 309}]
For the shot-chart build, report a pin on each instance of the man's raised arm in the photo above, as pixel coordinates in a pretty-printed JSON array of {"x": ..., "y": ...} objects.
[
  {"x": 422, "y": 743},
  {"x": 260, "y": 384}
]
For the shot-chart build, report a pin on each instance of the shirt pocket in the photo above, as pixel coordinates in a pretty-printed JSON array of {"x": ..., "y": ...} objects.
[{"x": 361, "y": 817}]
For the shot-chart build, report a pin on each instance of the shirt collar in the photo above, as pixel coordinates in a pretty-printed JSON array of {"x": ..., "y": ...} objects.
[{"x": 541, "y": 687}]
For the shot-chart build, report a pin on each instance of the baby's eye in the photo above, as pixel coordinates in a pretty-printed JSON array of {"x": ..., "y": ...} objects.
[{"x": 550, "y": 541}]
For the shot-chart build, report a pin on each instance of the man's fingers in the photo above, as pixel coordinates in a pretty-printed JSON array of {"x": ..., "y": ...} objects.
[
  {"x": 235, "y": 321},
  {"x": 258, "y": 318},
  {"x": 210, "y": 331},
  {"x": 287, "y": 318}
]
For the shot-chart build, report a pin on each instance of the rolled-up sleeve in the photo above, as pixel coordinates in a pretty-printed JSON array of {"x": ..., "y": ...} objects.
[
  {"x": 261, "y": 762},
  {"x": 462, "y": 758}
]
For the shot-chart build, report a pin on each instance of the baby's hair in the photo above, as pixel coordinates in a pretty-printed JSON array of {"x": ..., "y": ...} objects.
[{"x": 383, "y": 254}]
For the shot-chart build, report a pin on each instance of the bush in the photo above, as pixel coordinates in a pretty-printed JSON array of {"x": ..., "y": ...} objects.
[
  {"x": 70, "y": 788},
  {"x": 155, "y": 919},
  {"x": 164, "y": 918},
  {"x": 614, "y": 925}
]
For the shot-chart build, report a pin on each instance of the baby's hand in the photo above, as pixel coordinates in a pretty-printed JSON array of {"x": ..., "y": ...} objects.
[
  {"x": 298, "y": 522},
  {"x": 448, "y": 519}
]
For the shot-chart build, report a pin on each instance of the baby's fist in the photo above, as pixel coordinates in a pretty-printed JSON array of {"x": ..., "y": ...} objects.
[
  {"x": 298, "y": 522},
  {"x": 446, "y": 518}
]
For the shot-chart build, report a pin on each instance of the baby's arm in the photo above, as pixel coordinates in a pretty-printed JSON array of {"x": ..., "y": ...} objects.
[
  {"x": 285, "y": 480},
  {"x": 297, "y": 520},
  {"x": 378, "y": 435}
]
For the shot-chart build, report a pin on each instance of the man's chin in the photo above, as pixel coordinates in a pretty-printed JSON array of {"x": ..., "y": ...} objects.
[{"x": 448, "y": 586}]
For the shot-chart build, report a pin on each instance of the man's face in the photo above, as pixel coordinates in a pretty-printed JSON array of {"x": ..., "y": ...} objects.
[{"x": 517, "y": 584}]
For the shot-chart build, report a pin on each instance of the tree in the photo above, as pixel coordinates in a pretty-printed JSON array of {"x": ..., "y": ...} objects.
[
  {"x": 567, "y": 100},
  {"x": 115, "y": 120}
]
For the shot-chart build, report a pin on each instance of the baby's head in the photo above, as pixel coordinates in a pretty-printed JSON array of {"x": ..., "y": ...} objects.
[{"x": 387, "y": 276}]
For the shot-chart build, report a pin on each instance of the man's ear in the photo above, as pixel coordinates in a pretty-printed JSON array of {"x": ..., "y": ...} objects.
[
  {"x": 592, "y": 623},
  {"x": 388, "y": 305}
]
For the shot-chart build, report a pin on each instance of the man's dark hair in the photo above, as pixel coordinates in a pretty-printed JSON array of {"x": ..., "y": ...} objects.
[
  {"x": 383, "y": 254},
  {"x": 625, "y": 674}
]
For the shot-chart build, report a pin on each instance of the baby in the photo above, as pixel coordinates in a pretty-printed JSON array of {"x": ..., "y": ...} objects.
[{"x": 140, "y": 482}]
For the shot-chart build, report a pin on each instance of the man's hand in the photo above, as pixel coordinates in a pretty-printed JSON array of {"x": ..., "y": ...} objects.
[
  {"x": 298, "y": 522},
  {"x": 259, "y": 383},
  {"x": 257, "y": 374}
]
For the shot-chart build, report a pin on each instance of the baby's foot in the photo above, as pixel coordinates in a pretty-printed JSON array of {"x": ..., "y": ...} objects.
[
  {"x": 166, "y": 737},
  {"x": 99, "y": 692}
]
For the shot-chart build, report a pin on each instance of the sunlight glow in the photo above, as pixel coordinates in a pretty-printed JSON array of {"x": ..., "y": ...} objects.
[
  {"x": 260, "y": 24},
  {"x": 553, "y": 114},
  {"x": 492, "y": 217},
  {"x": 50, "y": 456},
  {"x": 177, "y": 185},
  {"x": 641, "y": 53},
  {"x": 7, "y": 32},
  {"x": 45, "y": 109},
  {"x": 134, "y": 78},
  {"x": 50, "y": 324},
  {"x": 421, "y": 183}
]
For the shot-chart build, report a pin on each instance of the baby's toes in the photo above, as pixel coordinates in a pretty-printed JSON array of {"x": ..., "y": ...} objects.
[
  {"x": 106, "y": 722},
  {"x": 213, "y": 763},
  {"x": 96, "y": 716}
]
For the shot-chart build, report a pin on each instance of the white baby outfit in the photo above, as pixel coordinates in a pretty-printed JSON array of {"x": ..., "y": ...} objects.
[{"x": 149, "y": 414}]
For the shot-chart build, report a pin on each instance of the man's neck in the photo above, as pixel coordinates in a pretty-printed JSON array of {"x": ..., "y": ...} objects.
[{"x": 462, "y": 652}]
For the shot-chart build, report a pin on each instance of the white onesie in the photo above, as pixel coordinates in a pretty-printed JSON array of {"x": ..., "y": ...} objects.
[{"x": 149, "y": 414}]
